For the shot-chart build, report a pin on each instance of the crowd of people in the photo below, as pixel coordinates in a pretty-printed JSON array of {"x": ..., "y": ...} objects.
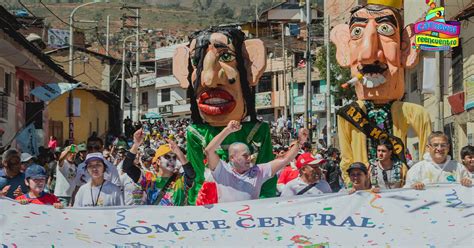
[{"x": 148, "y": 166}]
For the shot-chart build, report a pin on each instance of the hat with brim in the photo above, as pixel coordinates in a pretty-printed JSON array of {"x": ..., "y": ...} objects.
[
  {"x": 316, "y": 162},
  {"x": 35, "y": 171},
  {"x": 95, "y": 156},
  {"x": 24, "y": 157},
  {"x": 162, "y": 150},
  {"x": 359, "y": 166}
]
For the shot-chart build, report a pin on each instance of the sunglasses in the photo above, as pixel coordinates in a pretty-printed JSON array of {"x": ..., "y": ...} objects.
[{"x": 168, "y": 156}]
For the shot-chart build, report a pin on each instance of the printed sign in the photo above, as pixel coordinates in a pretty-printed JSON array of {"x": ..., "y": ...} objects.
[
  {"x": 441, "y": 216},
  {"x": 436, "y": 34},
  {"x": 58, "y": 37}
]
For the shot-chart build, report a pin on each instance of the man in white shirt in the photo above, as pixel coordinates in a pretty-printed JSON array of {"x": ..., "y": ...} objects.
[
  {"x": 65, "y": 173},
  {"x": 309, "y": 181},
  {"x": 239, "y": 179},
  {"x": 437, "y": 166}
]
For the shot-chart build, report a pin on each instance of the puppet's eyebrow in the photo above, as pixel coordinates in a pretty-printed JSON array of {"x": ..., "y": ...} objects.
[
  {"x": 387, "y": 18},
  {"x": 355, "y": 19}
]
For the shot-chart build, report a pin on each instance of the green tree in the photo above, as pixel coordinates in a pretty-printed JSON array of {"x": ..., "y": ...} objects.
[{"x": 338, "y": 75}]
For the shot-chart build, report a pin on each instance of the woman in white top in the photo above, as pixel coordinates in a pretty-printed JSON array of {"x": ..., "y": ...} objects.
[{"x": 97, "y": 192}]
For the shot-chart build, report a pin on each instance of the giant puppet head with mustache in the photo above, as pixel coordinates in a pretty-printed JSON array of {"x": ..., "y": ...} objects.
[
  {"x": 218, "y": 68},
  {"x": 376, "y": 47}
]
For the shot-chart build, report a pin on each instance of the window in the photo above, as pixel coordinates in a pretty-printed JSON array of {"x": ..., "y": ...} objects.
[
  {"x": 414, "y": 82},
  {"x": 165, "y": 95},
  {"x": 300, "y": 89},
  {"x": 457, "y": 67},
  {"x": 277, "y": 81},
  {"x": 8, "y": 83},
  {"x": 21, "y": 90},
  {"x": 145, "y": 98},
  {"x": 315, "y": 87},
  {"x": 4, "y": 107},
  {"x": 265, "y": 83}
]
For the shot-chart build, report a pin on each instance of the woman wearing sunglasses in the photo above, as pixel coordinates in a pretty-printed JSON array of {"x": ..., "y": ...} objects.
[{"x": 166, "y": 184}]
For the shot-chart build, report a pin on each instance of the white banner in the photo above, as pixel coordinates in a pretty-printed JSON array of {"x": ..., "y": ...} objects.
[{"x": 440, "y": 216}]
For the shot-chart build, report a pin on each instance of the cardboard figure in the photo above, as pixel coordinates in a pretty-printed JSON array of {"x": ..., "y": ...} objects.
[
  {"x": 218, "y": 68},
  {"x": 377, "y": 49}
]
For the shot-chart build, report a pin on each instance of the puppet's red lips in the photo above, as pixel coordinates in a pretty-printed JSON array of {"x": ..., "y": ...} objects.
[{"x": 216, "y": 102}]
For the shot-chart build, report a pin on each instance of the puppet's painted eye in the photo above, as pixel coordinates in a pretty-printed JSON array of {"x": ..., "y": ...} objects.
[
  {"x": 226, "y": 57},
  {"x": 356, "y": 32},
  {"x": 385, "y": 29}
]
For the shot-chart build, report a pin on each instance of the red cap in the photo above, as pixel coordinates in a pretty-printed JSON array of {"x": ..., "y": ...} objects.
[{"x": 304, "y": 159}]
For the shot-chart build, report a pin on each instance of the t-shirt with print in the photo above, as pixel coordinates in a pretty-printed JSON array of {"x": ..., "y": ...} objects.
[
  {"x": 64, "y": 179},
  {"x": 111, "y": 174},
  {"x": 152, "y": 184},
  {"x": 44, "y": 199},
  {"x": 295, "y": 186},
  {"x": 132, "y": 192},
  {"x": 18, "y": 180},
  {"x": 232, "y": 186},
  {"x": 106, "y": 195},
  {"x": 428, "y": 172}
]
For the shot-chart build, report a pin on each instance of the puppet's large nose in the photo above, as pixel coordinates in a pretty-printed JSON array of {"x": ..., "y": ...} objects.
[
  {"x": 212, "y": 74},
  {"x": 370, "y": 49}
]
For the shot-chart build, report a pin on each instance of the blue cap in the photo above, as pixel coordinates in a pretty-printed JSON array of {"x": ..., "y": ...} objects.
[{"x": 35, "y": 171}]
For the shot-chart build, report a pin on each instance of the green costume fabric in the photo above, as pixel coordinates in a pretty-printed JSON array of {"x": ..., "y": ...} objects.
[{"x": 255, "y": 134}]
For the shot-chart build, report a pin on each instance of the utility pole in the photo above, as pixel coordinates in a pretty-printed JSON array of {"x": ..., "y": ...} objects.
[
  {"x": 328, "y": 78},
  {"x": 285, "y": 109},
  {"x": 137, "y": 62},
  {"x": 137, "y": 88},
  {"x": 107, "y": 36},
  {"x": 308, "y": 70},
  {"x": 292, "y": 108},
  {"x": 256, "y": 16}
]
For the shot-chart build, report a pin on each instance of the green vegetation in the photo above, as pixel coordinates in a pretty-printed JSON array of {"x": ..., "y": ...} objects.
[{"x": 339, "y": 75}]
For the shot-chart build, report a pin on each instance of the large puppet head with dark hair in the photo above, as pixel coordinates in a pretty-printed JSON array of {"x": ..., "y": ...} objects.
[
  {"x": 218, "y": 68},
  {"x": 375, "y": 44}
]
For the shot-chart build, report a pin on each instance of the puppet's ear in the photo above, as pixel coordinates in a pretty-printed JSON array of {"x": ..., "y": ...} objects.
[
  {"x": 180, "y": 66},
  {"x": 255, "y": 59},
  {"x": 409, "y": 57},
  {"x": 340, "y": 36}
]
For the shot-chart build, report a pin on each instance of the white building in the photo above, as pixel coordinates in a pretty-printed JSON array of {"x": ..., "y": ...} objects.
[{"x": 159, "y": 92}]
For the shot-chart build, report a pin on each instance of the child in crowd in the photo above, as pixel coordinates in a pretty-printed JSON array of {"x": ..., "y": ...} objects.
[{"x": 35, "y": 179}]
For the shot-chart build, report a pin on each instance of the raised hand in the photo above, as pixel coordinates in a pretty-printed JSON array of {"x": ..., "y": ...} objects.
[
  {"x": 303, "y": 135},
  {"x": 4, "y": 191},
  {"x": 233, "y": 126},
  {"x": 138, "y": 137}
]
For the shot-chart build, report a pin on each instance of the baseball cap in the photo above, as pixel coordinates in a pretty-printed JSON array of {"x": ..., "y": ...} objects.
[
  {"x": 24, "y": 157},
  {"x": 304, "y": 159},
  {"x": 162, "y": 150},
  {"x": 95, "y": 156},
  {"x": 81, "y": 147},
  {"x": 35, "y": 171},
  {"x": 357, "y": 165}
]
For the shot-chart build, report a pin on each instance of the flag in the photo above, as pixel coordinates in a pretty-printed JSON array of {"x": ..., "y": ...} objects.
[
  {"x": 26, "y": 140},
  {"x": 49, "y": 92}
]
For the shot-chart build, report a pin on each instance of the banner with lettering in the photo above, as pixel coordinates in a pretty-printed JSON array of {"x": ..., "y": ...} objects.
[
  {"x": 51, "y": 91},
  {"x": 440, "y": 216}
]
